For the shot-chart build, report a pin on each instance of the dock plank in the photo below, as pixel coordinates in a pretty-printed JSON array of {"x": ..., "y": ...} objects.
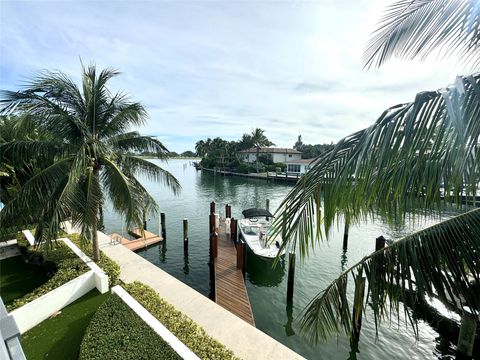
[{"x": 230, "y": 290}]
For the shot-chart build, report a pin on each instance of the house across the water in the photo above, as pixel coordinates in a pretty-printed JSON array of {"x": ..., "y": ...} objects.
[
  {"x": 300, "y": 166},
  {"x": 278, "y": 155}
]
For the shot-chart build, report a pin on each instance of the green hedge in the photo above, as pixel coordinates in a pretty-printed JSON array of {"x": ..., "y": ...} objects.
[
  {"x": 62, "y": 264},
  {"x": 116, "y": 332},
  {"x": 187, "y": 331},
  {"x": 110, "y": 267}
]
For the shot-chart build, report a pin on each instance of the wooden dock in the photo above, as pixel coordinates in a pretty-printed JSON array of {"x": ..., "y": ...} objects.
[
  {"x": 230, "y": 290},
  {"x": 140, "y": 242}
]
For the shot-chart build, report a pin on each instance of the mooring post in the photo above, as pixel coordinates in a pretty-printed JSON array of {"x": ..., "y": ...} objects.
[
  {"x": 212, "y": 207},
  {"x": 345, "y": 235},
  {"x": 267, "y": 204},
  {"x": 233, "y": 230},
  {"x": 215, "y": 245},
  {"x": 164, "y": 226},
  {"x": 358, "y": 306},
  {"x": 228, "y": 211},
  {"x": 185, "y": 236},
  {"x": 466, "y": 337},
  {"x": 380, "y": 243},
  {"x": 241, "y": 257},
  {"x": 291, "y": 276}
]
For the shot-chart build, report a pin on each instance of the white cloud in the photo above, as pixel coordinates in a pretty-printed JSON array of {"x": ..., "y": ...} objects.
[{"x": 222, "y": 68}]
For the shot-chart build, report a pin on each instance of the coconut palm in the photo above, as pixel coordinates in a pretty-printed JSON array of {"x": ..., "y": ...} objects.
[
  {"x": 401, "y": 160},
  {"x": 89, "y": 155},
  {"x": 259, "y": 139}
]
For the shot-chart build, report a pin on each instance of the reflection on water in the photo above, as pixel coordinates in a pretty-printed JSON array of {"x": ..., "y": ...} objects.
[{"x": 266, "y": 285}]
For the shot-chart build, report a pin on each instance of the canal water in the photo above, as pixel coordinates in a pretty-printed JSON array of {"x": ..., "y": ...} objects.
[{"x": 266, "y": 286}]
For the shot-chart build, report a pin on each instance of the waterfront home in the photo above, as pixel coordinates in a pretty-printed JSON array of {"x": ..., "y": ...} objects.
[
  {"x": 278, "y": 155},
  {"x": 300, "y": 166}
]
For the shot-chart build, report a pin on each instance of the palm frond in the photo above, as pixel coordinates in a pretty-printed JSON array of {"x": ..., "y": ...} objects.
[
  {"x": 403, "y": 158},
  {"x": 136, "y": 165},
  {"x": 134, "y": 142},
  {"x": 439, "y": 261},
  {"x": 417, "y": 28}
]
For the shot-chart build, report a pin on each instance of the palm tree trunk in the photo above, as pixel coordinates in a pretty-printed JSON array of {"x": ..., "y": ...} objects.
[
  {"x": 95, "y": 248},
  {"x": 258, "y": 153}
]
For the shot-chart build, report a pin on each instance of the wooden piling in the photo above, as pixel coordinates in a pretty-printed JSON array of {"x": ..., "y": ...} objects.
[
  {"x": 215, "y": 245},
  {"x": 345, "y": 235},
  {"x": 466, "y": 337},
  {"x": 291, "y": 276},
  {"x": 212, "y": 224},
  {"x": 267, "y": 204},
  {"x": 379, "y": 243},
  {"x": 212, "y": 207},
  {"x": 233, "y": 230},
  {"x": 241, "y": 256},
  {"x": 358, "y": 306},
  {"x": 228, "y": 211},
  {"x": 185, "y": 236},
  {"x": 164, "y": 226}
]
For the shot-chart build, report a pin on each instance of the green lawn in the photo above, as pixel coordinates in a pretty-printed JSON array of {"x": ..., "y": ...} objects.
[
  {"x": 60, "y": 337},
  {"x": 18, "y": 278}
]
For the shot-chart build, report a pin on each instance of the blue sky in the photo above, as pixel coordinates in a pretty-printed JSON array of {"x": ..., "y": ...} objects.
[{"x": 221, "y": 68}]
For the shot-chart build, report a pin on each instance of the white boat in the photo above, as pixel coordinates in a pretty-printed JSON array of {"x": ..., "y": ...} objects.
[{"x": 254, "y": 229}]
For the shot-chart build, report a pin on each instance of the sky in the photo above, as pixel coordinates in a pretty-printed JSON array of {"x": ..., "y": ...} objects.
[{"x": 222, "y": 68}]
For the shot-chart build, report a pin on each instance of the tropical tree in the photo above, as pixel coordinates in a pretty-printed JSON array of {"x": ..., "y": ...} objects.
[
  {"x": 86, "y": 157},
  {"x": 259, "y": 140},
  {"x": 402, "y": 159}
]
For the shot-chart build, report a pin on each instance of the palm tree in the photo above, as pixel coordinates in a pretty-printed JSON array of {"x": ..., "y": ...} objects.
[
  {"x": 87, "y": 157},
  {"x": 259, "y": 139},
  {"x": 401, "y": 160}
]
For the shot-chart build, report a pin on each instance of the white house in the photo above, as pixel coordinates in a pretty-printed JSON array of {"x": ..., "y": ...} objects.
[
  {"x": 300, "y": 166},
  {"x": 279, "y": 155}
]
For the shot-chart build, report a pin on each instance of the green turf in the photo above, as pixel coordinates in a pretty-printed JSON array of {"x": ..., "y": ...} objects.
[
  {"x": 60, "y": 337},
  {"x": 18, "y": 278}
]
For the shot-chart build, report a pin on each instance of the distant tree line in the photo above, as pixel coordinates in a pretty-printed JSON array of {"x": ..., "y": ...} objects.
[{"x": 311, "y": 151}]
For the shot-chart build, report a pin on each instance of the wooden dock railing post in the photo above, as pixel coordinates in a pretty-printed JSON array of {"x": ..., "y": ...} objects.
[
  {"x": 164, "y": 226},
  {"x": 291, "y": 276},
  {"x": 233, "y": 230},
  {"x": 212, "y": 207},
  {"x": 185, "y": 236},
  {"x": 228, "y": 211}
]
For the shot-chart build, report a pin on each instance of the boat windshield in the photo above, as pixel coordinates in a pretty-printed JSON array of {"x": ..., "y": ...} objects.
[{"x": 251, "y": 230}]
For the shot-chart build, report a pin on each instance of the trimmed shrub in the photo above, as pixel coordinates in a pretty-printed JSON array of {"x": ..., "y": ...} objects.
[
  {"x": 116, "y": 332},
  {"x": 186, "y": 330},
  {"x": 110, "y": 267},
  {"x": 60, "y": 262}
]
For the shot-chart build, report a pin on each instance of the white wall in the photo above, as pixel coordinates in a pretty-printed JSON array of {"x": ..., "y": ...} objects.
[{"x": 42, "y": 308}]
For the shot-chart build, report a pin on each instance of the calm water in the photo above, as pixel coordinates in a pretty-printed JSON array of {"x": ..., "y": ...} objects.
[{"x": 267, "y": 287}]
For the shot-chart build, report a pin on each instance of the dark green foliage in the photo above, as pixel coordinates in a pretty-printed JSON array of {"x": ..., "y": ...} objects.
[
  {"x": 59, "y": 262},
  {"x": 110, "y": 267},
  {"x": 18, "y": 278},
  {"x": 188, "y": 153},
  {"x": 61, "y": 265},
  {"x": 245, "y": 168},
  {"x": 59, "y": 337},
  {"x": 116, "y": 332},
  {"x": 313, "y": 151},
  {"x": 187, "y": 331}
]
